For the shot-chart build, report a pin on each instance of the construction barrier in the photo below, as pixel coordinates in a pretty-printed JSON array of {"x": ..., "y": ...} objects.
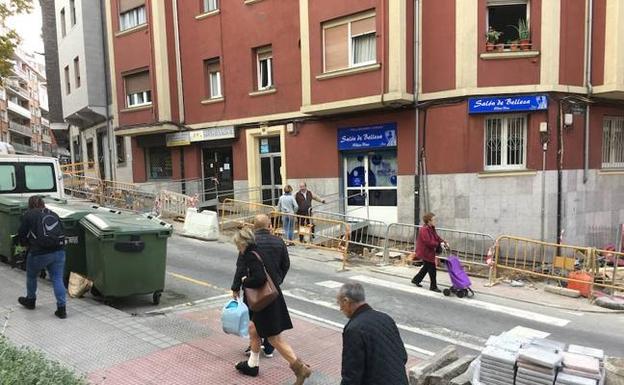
[
  {"x": 171, "y": 204},
  {"x": 234, "y": 213},
  {"x": 608, "y": 271},
  {"x": 365, "y": 233}
]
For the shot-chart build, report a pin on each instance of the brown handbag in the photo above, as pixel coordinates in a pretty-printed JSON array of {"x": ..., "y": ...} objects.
[{"x": 261, "y": 297}]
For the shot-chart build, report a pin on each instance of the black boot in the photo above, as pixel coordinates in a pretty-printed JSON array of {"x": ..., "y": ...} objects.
[
  {"x": 244, "y": 368},
  {"x": 61, "y": 312},
  {"x": 28, "y": 303}
]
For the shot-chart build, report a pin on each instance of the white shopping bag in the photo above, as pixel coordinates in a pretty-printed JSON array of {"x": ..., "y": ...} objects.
[{"x": 235, "y": 318}]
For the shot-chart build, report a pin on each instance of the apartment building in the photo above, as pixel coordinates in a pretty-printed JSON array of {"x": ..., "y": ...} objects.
[{"x": 501, "y": 116}]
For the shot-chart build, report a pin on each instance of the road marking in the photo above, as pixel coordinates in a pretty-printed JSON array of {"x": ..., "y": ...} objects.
[
  {"x": 514, "y": 312},
  {"x": 197, "y": 281},
  {"x": 337, "y": 325},
  {"x": 439, "y": 333},
  {"x": 330, "y": 284},
  {"x": 188, "y": 304},
  {"x": 522, "y": 331}
]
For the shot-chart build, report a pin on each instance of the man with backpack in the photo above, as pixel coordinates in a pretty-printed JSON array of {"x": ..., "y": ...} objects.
[{"x": 42, "y": 231}]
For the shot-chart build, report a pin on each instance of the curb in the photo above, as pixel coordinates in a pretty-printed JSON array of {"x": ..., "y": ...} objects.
[{"x": 611, "y": 311}]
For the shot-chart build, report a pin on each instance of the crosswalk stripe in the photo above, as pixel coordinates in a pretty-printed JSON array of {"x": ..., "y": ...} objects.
[{"x": 514, "y": 312}]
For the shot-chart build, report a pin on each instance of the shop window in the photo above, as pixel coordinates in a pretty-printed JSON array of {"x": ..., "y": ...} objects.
[
  {"x": 67, "y": 81},
  {"x": 613, "y": 143},
  {"x": 350, "y": 42},
  {"x": 132, "y": 13},
  {"x": 138, "y": 89},
  {"x": 63, "y": 26},
  {"x": 505, "y": 142},
  {"x": 212, "y": 73},
  {"x": 77, "y": 71},
  {"x": 90, "y": 154},
  {"x": 159, "y": 163},
  {"x": 120, "y": 146},
  {"x": 210, "y": 5},
  {"x": 510, "y": 18},
  {"x": 264, "y": 68}
]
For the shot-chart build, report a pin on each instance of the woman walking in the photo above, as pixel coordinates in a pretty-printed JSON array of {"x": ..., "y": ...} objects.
[
  {"x": 427, "y": 244},
  {"x": 288, "y": 206},
  {"x": 271, "y": 321}
]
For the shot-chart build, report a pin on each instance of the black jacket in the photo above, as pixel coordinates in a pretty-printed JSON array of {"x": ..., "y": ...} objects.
[
  {"x": 372, "y": 350},
  {"x": 275, "y": 255},
  {"x": 30, "y": 220}
]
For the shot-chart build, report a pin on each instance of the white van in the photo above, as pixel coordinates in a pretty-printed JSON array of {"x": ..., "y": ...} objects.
[{"x": 27, "y": 175}]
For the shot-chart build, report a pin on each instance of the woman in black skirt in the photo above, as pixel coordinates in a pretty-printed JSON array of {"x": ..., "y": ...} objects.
[{"x": 271, "y": 321}]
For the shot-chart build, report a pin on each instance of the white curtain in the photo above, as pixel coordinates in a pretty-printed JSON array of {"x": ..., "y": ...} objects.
[{"x": 364, "y": 48}]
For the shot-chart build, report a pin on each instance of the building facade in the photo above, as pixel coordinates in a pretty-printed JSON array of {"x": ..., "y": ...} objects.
[{"x": 501, "y": 116}]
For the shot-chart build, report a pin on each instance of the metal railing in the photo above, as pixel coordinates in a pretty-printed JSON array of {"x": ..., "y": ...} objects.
[
  {"x": 171, "y": 204},
  {"x": 236, "y": 213},
  {"x": 23, "y": 148},
  {"x": 20, "y": 129},
  {"x": 364, "y": 233},
  {"x": 80, "y": 168}
]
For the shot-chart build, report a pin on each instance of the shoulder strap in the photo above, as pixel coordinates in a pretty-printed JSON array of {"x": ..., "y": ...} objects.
[{"x": 258, "y": 256}]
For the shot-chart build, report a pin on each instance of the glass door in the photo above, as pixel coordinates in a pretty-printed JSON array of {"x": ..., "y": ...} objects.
[
  {"x": 218, "y": 173},
  {"x": 270, "y": 169}
]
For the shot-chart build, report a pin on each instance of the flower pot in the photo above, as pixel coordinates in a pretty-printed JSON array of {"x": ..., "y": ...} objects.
[
  {"x": 515, "y": 46},
  {"x": 500, "y": 47},
  {"x": 525, "y": 45},
  {"x": 489, "y": 47}
]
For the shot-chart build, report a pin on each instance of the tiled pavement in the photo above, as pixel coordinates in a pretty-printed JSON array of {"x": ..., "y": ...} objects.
[{"x": 185, "y": 347}]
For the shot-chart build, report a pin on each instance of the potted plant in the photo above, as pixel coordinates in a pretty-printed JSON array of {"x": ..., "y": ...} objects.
[
  {"x": 491, "y": 38},
  {"x": 514, "y": 45},
  {"x": 524, "y": 35}
]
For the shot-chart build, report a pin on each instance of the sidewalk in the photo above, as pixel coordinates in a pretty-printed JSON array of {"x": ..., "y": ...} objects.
[{"x": 182, "y": 347}]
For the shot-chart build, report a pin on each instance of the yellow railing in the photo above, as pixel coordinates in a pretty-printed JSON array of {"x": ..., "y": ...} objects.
[{"x": 80, "y": 168}]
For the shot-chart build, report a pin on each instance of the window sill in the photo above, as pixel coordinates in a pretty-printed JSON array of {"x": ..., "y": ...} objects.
[
  {"x": 138, "y": 108},
  {"x": 506, "y": 173},
  {"x": 208, "y": 14},
  {"x": 611, "y": 171},
  {"x": 263, "y": 92},
  {"x": 509, "y": 55},
  {"x": 247, "y": 2},
  {"x": 131, "y": 30},
  {"x": 349, "y": 71},
  {"x": 213, "y": 100}
]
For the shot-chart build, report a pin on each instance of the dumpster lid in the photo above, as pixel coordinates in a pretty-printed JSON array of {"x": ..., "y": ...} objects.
[
  {"x": 10, "y": 203},
  {"x": 122, "y": 223},
  {"x": 72, "y": 210}
]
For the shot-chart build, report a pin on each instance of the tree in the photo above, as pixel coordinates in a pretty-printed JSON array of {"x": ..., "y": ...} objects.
[{"x": 9, "y": 39}]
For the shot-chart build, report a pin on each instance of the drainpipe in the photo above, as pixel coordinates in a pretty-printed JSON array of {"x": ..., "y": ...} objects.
[
  {"x": 417, "y": 114},
  {"x": 559, "y": 170},
  {"x": 110, "y": 132},
  {"x": 176, "y": 31},
  {"x": 588, "y": 83}
]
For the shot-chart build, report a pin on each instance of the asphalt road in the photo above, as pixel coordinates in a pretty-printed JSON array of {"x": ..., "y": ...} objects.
[{"x": 198, "y": 270}]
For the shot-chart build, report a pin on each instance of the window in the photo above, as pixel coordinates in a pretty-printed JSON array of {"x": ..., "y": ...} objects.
[
  {"x": 63, "y": 27},
  {"x": 505, "y": 142},
  {"x": 613, "y": 143},
  {"x": 210, "y": 5},
  {"x": 131, "y": 14},
  {"x": 350, "y": 43},
  {"x": 212, "y": 71},
  {"x": 72, "y": 11},
  {"x": 7, "y": 178},
  {"x": 67, "y": 83},
  {"x": 509, "y": 17},
  {"x": 90, "y": 154},
  {"x": 39, "y": 177},
  {"x": 77, "y": 71},
  {"x": 138, "y": 89},
  {"x": 121, "y": 149},
  {"x": 159, "y": 163},
  {"x": 265, "y": 67}
]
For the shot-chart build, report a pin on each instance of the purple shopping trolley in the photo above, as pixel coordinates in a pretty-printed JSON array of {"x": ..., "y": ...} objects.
[{"x": 459, "y": 279}]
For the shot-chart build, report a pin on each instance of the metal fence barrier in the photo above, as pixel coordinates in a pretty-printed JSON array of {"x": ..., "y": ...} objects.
[
  {"x": 235, "y": 213},
  {"x": 608, "y": 270},
  {"x": 364, "y": 233}
]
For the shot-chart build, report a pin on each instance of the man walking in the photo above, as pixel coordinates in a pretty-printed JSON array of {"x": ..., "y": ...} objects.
[
  {"x": 275, "y": 253},
  {"x": 304, "y": 198},
  {"x": 372, "y": 350},
  {"x": 42, "y": 231}
]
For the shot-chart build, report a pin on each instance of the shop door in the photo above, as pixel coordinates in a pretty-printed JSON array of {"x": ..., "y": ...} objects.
[
  {"x": 218, "y": 173},
  {"x": 270, "y": 169},
  {"x": 371, "y": 185}
]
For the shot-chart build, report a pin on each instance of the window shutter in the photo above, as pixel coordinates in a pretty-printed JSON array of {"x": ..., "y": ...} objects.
[
  {"x": 137, "y": 83},
  {"x": 363, "y": 26},
  {"x": 336, "y": 47},
  {"x": 213, "y": 66},
  {"x": 126, "y": 5}
]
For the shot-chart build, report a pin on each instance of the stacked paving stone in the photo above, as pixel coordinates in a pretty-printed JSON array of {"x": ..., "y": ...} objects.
[
  {"x": 581, "y": 366},
  {"x": 498, "y": 359},
  {"x": 538, "y": 364}
]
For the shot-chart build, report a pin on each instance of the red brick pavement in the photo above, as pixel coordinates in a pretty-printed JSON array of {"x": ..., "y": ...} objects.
[{"x": 211, "y": 360}]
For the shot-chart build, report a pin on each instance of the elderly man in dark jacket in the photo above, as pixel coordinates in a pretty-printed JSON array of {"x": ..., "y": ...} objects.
[
  {"x": 372, "y": 350},
  {"x": 275, "y": 254}
]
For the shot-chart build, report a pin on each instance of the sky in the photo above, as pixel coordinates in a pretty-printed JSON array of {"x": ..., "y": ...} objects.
[{"x": 28, "y": 26}]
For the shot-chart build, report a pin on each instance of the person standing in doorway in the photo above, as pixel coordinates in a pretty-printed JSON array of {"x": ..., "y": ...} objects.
[
  {"x": 428, "y": 244},
  {"x": 287, "y": 206},
  {"x": 42, "y": 231},
  {"x": 304, "y": 198}
]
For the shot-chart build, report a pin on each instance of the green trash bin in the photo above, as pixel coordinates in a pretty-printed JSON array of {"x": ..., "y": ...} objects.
[
  {"x": 126, "y": 253},
  {"x": 11, "y": 210}
]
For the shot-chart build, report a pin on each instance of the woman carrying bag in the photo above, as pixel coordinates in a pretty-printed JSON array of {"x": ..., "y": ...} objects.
[
  {"x": 428, "y": 245},
  {"x": 270, "y": 315}
]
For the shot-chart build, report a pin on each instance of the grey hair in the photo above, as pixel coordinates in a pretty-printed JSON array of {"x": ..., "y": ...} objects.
[
  {"x": 244, "y": 237},
  {"x": 352, "y": 291}
]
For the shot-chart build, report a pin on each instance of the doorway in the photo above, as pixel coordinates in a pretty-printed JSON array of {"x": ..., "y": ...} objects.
[
  {"x": 218, "y": 173},
  {"x": 101, "y": 156},
  {"x": 370, "y": 182},
  {"x": 270, "y": 169}
]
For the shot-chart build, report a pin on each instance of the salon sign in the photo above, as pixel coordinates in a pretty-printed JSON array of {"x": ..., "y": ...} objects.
[{"x": 507, "y": 104}]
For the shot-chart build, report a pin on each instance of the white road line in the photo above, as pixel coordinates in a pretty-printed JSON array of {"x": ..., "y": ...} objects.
[
  {"x": 188, "y": 304},
  {"x": 440, "y": 333},
  {"x": 514, "y": 312},
  {"x": 329, "y": 284},
  {"x": 522, "y": 331},
  {"x": 419, "y": 351}
]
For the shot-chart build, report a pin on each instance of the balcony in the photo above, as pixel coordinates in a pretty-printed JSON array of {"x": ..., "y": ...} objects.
[
  {"x": 19, "y": 72},
  {"x": 14, "y": 88},
  {"x": 20, "y": 129},
  {"x": 14, "y": 107},
  {"x": 46, "y": 138},
  {"x": 23, "y": 148}
]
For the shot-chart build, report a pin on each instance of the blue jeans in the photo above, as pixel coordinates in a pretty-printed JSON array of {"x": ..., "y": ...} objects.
[
  {"x": 289, "y": 227},
  {"x": 54, "y": 262}
]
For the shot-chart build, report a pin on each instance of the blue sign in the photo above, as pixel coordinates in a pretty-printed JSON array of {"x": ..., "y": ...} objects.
[
  {"x": 367, "y": 137},
  {"x": 508, "y": 104}
]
